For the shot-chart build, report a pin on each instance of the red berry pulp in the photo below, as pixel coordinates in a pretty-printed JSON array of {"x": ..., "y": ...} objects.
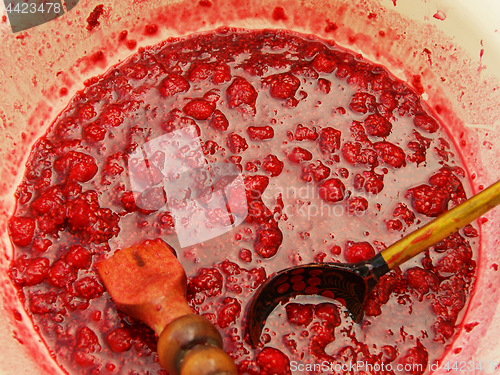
[{"x": 339, "y": 160}]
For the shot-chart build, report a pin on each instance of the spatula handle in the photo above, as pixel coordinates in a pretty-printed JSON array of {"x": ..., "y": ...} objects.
[
  {"x": 191, "y": 345},
  {"x": 441, "y": 227}
]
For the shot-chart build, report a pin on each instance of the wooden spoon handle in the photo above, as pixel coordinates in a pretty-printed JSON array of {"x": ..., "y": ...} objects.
[
  {"x": 147, "y": 282},
  {"x": 191, "y": 345},
  {"x": 207, "y": 360},
  {"x": 441, "y": 227}
]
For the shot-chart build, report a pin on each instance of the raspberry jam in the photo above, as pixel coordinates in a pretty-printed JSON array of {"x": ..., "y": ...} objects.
[{"x": 339, "y": 160}]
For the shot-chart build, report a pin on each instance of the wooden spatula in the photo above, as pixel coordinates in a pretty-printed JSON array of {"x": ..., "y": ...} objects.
[{"x": 148, "y": 283}]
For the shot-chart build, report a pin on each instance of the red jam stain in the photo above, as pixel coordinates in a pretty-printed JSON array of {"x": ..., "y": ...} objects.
[
  {"x": 439, "y": 15},
  {"x": 93, "y": 18},
  {"x": 340, "y": 158},
  {"x": 422, "y": 237},
  {"x": 279, "y": 14}
]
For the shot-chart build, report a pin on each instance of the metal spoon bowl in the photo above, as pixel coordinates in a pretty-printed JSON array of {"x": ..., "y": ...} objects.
[{"x": 350, "y": 283}]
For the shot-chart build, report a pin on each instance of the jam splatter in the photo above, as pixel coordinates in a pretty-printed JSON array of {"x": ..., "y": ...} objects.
[{"x": 93, "y": 18}]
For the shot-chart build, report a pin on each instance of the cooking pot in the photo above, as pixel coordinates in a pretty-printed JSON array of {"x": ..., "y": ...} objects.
[{"x": 451, "y": 47}]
